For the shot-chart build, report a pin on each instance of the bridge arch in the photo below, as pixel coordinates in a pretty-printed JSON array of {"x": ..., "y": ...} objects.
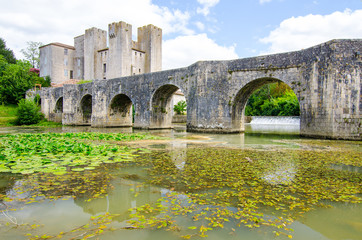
[
  {"x": 242, "y": 97},
  {"x": 162, "y": 107},
  {"x": 120, "y": 111},
  {"x": 86, "y": 109},
  {"x": 59, "y": 105}
]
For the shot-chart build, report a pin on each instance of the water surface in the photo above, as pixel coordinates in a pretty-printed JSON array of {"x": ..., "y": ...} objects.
[{"x": 127, "y": 187}]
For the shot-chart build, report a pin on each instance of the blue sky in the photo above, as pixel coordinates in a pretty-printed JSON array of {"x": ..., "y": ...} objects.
[{"x": 192, "y": 29}]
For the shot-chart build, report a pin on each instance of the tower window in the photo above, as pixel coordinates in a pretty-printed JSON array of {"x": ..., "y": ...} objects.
[
  {"x": 65, "y": 51},
  {"x": 104, "y": 68}
]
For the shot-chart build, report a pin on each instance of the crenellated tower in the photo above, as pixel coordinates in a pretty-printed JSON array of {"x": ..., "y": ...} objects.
[
  {"x": 91, "y": 58},
  {"x": 150, "y": 41}
]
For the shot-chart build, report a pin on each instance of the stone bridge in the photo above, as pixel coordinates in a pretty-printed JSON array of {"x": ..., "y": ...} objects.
[{"x": 326, "y": 79}]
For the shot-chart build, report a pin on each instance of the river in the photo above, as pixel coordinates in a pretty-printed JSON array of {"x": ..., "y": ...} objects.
[{"x": 74, "y": 217}]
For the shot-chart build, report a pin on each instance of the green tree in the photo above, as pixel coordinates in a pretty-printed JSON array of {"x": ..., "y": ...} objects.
[
  {"x": 180, "y": 107},
  {"x": 31, "y": 53},
  {"x": 6, "y": 52},
  {"x": 276, "y": 99},
  {"x": 15, "y": 80}
]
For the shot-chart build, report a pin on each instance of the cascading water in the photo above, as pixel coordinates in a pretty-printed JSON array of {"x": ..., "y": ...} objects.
[
  {"x": 274, "y": 124},
  {"x": 275, "y": 120}
]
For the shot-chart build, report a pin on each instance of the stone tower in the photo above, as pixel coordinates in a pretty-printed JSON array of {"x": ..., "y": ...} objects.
[
  {"x": 79, "y": 57},
  {"x": 120, "y": 50},
  {"x": 91, "y": 59},
  {"x": 94, "y": 40},
  {"x": 150, "y": 41}
]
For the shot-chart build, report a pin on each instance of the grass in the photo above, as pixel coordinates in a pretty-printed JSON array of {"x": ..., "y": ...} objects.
[
  {"x": 7, "y": 114},
  {"x": 84, "y": 81}
]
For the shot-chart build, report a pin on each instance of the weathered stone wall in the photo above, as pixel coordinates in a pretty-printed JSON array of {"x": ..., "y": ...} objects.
[
  {"x": 73, "y": 97},
  {"x": 94, "y": 40},
  {"x": 49, "y": 99},
  {"x": 150, "y": 41},
  {"x": 78, "y": 64},
  {"x": 120, "y": 49},
  {"x": 56, "y": 61},
  {"x": 325, "y": 78},
  {"x": 179, "y": 118},
  {"x": 138, "y": 62}
]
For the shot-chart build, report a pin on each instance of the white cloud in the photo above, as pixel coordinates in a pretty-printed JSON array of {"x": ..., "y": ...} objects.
[
  {"x": 301, "y": 32},
  {"x": 60, "y": 21},
  {"x": 206, "y": 5},
  {"x": 200, "y": 26},
  {"x": 264, "y": 1},
  {"x": 186, "y": 50}
]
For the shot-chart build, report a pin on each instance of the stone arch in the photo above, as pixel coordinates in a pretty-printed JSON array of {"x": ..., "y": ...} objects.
[
  {"x": 242, "y": 97},
  {"x": 161, "y": 106},
  {"x": 120, "y": 111},
  {"x": 59, "y": 105},
  {"x": 86, "y": 109}
]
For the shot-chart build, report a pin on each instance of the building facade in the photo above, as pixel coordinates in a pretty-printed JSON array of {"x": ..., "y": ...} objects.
[{"x": 100, "y": 55}]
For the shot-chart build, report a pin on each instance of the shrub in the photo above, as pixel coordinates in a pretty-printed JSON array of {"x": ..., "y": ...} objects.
[
  {"x": 28, "y": 112},
  {"x": 37, "y": 99},
  {"x": 180, "y": 107}
]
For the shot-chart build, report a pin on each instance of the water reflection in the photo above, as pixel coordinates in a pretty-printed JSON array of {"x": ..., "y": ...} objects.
[
  {"x": 349, "y": 168},
  {"x": 125, "y": 195},
  {"x": 128, "y": 190},
  {"x": 281, "y": 174}
]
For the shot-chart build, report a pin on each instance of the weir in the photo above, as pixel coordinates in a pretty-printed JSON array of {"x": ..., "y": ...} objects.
[
  {"x": 285, "y": 120},
  {"x": 325, "y": 78}
]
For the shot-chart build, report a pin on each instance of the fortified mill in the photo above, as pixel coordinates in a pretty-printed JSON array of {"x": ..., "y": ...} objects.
[{"x": 127, "y": 75}]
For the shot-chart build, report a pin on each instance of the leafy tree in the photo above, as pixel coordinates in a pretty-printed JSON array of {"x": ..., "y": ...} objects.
[
  {"x": 6, "y": 52},
  {"x": 180, "y": 107},
  {"x": 15, "y": 80},
  {"x": 31, "y": 53},
  {"x": 28, "y": 112},
  {"x": 276, "y": 99}
]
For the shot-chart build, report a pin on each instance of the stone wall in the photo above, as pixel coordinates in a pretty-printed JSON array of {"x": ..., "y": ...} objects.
[
  {"x": 150, "y": 41},
  {"x": 78, "y": 63},
  {"x": 94, "y": 40},
  {"x": 56, "y": 61}
]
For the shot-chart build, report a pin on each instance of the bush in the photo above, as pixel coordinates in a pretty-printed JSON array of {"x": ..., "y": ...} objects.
[
  {"x": 276, "y": 99},
  {"x": 28, "y": 112},
  {"x": 180, "y": 107}
]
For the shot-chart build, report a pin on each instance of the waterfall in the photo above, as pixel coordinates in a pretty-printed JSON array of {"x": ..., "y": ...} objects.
[
  {"x": 274, "y": 124},
  {"x": 284, "y": 120}
]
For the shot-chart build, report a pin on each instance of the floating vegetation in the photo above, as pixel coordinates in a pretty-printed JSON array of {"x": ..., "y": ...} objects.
[
  {"x": 58, "y": 153},
  {"x": 249, "y": 188},
  {"x": 213, "y": 188}
]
